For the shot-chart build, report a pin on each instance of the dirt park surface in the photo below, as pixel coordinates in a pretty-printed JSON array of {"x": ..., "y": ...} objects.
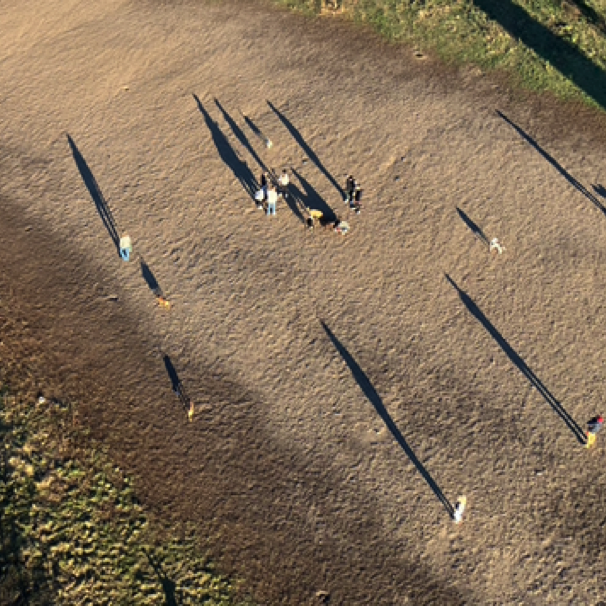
[{"x": 347, "y": 389}]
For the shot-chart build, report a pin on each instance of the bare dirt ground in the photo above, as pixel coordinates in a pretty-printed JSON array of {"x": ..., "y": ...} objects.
[{"x": 342, "y": 384}]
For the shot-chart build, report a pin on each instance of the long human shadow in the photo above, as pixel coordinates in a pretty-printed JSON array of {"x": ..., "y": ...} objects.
[
  {"x": 255, "y": 129},
  {"x": 371, "y": 393},
  {"x": 560, "y": 53},
  {"x": 227, "y": 153},
  {"x": 168, "y": 585},
  {"x": 176, "y": 382},
  {"x": 95, "y": 193},
  {"x": 518, "y": 362},
  {"x": 239, "y": 133},
  {"x": 294, "y": 200},
  {"x": 305, "y": 147},
  {"x": 310, "y": 198},
  {"x": 476, "y": 230},
  {"x": 150, "y": 279},
  {"x": 576, "y": 184}
]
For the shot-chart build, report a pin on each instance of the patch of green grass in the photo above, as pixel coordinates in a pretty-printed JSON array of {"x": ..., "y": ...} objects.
[
  {"x": 72, "y": 531},
  {"x": 546, "y": 45}
]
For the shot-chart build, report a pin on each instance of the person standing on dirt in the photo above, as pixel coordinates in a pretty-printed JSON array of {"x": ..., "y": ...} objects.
[
  {"x": 261, "y": 195},
  {"x": 356, "y": 203},
  {"x": 350, "y": 189},
  {"x": 283, "y": 181},
  {"x": 272, "y": 199},
  {"x": 593, "y": 428}
]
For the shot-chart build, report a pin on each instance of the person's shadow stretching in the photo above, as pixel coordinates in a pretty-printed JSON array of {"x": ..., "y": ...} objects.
[
  {"x": 518, "y": 362},
  {"x": 576, "y": 184},
  {"x": 374, "y": 398},
  {"x": 150, "y": 279},
  {"x": 305, "y": 147},
  {"x": 95, "y": 193},
  {"x": 176, "y": 383},
  {"x": 228, "y": 155},
  {"x": 476, "y": 230},
  {"x": 311, "y": 199},
  {"x": 239, "y": 133}
]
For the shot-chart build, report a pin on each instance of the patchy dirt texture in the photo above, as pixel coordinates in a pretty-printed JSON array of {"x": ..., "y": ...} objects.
[{"x": 348, "y": 389}]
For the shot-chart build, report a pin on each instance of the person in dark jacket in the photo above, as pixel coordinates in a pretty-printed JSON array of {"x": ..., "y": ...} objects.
[{"x": 350, "y": 189}]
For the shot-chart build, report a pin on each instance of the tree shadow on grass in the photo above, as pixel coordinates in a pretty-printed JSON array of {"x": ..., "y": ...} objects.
[
  {"x": 306, "y": 148},
  {"x": 228, "y": 155},
  {"x": 476, "y": 230},
  {"x": 374, "y": 398},
  {"x": 559, "y": 53},
  {"x": 519, "y": 363},
  {"x": 95, "y": 193},
  {"x": 576, "y": 184},
  {"x": 589, "y": 13}
]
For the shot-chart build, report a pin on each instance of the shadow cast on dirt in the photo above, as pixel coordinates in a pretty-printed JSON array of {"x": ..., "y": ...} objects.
[
  {"x": 519, "y": 363},
  {"x": 149, "y": 278},
  {"x": 95, "y": 193},
  {"x": 306, "y": 148},
  {"x": 370, "y": 392},
  {"x": 239, "y": 134},
  {"x": 228, "y": 154},
  {"x": 476, "y": 230},
  {"x": 311, "y": 199},
  {"x": 176, "y": 383},
  {"x": 576, "y": 184}
]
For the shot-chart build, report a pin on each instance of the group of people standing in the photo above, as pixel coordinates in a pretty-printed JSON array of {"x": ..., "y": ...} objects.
[
  {"x": 274, "y": 188},
  {"x": 270, "y": 191}
]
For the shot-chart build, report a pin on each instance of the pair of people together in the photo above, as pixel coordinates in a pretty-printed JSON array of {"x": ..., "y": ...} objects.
[
  {"x": 353, "y": 194},
  {"x": 269, "y": 192}
]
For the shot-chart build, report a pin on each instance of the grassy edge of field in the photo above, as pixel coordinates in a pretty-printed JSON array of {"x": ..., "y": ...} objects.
[
  {"x": 71, "y": 528},
  {"x": 555, "y": 46}
]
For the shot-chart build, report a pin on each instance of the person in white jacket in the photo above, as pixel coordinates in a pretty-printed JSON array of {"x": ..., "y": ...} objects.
[{"x": 272, "y": 199}]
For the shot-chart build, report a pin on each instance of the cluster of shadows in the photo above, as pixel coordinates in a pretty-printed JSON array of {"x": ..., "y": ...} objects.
[
  {"x": 476, "y": 230},
  {"x": 95, "y": 193},
  {"x": 371, "y": 393},
  {"x": 576, "y": 184},
  {"x": 298, "y": 201},
  {"x": 305, "y": 147},
  {"x": 519, "y": 362},
  {"x": 228, "y": 154},
  {"x": 176, "y": 382},
  {"x": 559, "y": 53}
]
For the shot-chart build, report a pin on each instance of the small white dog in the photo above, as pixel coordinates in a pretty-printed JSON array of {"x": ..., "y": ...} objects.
[{"x": 496, "y": 245}]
